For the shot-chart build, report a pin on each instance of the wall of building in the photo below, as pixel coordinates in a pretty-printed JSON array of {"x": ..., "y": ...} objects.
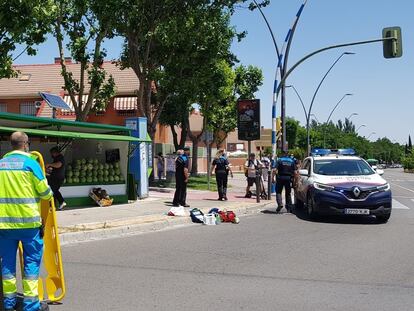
[{"x": 13, "y": 104}]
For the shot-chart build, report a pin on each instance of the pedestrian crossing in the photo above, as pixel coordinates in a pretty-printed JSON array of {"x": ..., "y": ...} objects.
[{"x": 398, "y": 205}]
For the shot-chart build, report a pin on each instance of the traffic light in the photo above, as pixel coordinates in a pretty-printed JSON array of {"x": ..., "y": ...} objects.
[
  {"x": 392, "y": 47},
  {"x": 278, "y": 126}
]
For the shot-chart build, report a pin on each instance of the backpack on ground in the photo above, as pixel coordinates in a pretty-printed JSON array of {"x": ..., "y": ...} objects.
[
  {"x": 228, "y": 216},
  {"x": 197, "y": 215}
]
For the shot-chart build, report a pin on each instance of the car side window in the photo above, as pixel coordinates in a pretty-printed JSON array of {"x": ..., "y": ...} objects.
[{"x": 306, "y": 165}]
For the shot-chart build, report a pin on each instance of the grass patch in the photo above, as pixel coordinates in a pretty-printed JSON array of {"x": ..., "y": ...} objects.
[{"x": 200, "y": 183}]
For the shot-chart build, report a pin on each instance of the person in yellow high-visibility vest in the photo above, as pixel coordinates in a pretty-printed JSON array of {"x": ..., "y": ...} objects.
[{"x": 23, "y": 185}]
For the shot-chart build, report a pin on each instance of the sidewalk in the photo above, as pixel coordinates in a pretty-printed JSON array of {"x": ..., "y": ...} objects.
[{"x": 150, "y": 214}]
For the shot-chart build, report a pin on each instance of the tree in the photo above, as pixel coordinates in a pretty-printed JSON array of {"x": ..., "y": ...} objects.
[
  {"x": 156, "y": 33},
  {"x": 410, "y": 144},
  {"x": 175, "y": 114},
  {"x": 243, "y": 83},
  {"x": 22, "y": 22},
  {"x": 247, "y": 81},
  {"x": 291, "y": 131},
  {"x": 199, "y": 73},
  {"x": 348, "y": 127},
  {"x": 85, "y": 24}
]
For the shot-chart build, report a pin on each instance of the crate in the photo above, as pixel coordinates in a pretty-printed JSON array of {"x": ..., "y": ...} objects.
[{"x": 101, "y": 202}]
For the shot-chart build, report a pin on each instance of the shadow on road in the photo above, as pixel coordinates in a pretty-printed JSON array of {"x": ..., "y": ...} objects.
[{"x": 346, "y": 220}]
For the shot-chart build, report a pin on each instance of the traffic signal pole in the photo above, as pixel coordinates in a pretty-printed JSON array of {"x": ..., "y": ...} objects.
[{"x": 282, "y": 82}]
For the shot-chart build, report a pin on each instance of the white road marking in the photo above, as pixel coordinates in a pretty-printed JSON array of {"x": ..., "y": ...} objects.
[
  {"x": 392, "y": 185},
  {"x": 398, "y": 205}
]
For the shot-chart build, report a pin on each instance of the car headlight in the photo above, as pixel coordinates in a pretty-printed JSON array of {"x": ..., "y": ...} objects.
[
  {"x": 385, "y": 187},
  {"x": 323, "y": 187}
]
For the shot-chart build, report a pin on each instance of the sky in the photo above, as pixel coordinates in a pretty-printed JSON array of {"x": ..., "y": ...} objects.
[{"x": 383, "y": 89}]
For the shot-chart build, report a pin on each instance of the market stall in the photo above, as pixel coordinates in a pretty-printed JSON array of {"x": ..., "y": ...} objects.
[{"x": 96, "y": 155}]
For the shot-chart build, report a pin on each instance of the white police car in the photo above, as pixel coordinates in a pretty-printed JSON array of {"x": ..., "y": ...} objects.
[{"x": 342, "y": 185}]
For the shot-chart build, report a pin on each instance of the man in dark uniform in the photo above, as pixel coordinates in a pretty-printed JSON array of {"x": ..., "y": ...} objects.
[
  {"x": 285, "y": 170},
  {"x": 181, "y": 178},
  {"x": 57, "y": 176},
  {"x": 221, "y": 168}
]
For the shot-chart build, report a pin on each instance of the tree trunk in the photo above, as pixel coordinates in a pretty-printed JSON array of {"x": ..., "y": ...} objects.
[
  {"x": 195, "y": 140},
  {"x": 183, "y": 137},
  {"x": 194, "y": 161},
  {"x": 175, "y": 137}
]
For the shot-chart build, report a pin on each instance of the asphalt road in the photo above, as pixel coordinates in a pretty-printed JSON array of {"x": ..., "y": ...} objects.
[{"x": 267, "y": 262}]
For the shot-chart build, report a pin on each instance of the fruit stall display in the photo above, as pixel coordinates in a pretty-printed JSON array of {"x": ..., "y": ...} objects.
[{"x": 92, "y": 171}]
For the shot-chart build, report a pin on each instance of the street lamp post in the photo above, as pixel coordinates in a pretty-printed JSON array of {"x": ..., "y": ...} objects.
[
  {"x": 362, "y": 125},
  {"x": 282, "y": 59},
  {"x": 308, "y": 113},
  {"x": 351, "y": 115},
  {"x": 316, "y": 119},
  {"x": 330, "y": 115},
  {"x": 314, "y": 96}
]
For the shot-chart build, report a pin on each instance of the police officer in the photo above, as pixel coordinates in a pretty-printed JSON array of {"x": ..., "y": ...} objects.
[
  {"x": 181, "y": 178},
  {"x": 23, "y": 184},
  {"x": 221, "y": 168},
  {"x": 285, "y": 170}
]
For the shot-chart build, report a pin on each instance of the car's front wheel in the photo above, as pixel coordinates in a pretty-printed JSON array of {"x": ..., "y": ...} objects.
[
  {"x": 310, "y": 207},
  {"x": 383, "y": 218}
]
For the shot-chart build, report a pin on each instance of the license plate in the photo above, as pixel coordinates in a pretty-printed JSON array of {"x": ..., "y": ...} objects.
[{"x": 356, "y": 211}]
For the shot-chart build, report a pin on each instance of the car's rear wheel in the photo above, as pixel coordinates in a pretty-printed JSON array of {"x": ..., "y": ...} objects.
[
  {"x": 310, "y": 207},
  {"x": 383, "y": 218}
]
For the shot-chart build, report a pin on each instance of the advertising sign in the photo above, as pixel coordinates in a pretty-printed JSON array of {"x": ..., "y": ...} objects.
[{"x": 248, "y": 119}]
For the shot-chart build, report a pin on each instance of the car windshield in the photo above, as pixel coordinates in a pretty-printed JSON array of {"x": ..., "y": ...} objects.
[{"x": 340, "y": 167}]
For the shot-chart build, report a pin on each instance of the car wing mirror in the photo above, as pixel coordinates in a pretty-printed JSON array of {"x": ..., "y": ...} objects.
[
  {"x": 303, "y": 172},
  {"x": 380, "y": 172}
]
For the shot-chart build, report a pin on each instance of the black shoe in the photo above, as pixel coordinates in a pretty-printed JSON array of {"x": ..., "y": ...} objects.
[
  {"x": 278, "y": 209},
  {"x": 44, "y": 306},
  {"x": 176, "y": 205},
  {"x": 219, "y": 199},
  {"x": 186, "y": 205},
  {"x": 225, "y": 199}
]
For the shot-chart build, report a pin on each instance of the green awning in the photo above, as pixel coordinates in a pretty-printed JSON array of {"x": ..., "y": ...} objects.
[
  {"x": 23, "y": 121},
  {"x": 73, "y": 135}
]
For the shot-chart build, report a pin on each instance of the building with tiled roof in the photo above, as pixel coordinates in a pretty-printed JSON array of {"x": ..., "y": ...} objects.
[{"x": 21, "y": 95}]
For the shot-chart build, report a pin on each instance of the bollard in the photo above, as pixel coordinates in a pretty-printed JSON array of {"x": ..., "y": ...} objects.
[
  {"x": 269, "y": 184},
  {"x": 258, "y": 186}
]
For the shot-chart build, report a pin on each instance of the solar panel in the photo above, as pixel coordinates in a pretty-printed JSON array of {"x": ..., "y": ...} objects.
[{"x": 55, "y": 101}]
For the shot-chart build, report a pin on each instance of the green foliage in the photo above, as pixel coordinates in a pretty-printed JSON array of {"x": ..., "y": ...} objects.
[
  {"x": 22, "y": 22},
  {"x": 291, "y": 131},
  {"x": 408, "y": 163},
  {"x": 247, "y": 81},
  {"x": 85, "y": 24},
  {"x": 343, "y": 135}
]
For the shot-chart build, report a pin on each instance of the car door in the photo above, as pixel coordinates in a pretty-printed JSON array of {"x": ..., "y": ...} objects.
[{"x": 304, "y": 182}]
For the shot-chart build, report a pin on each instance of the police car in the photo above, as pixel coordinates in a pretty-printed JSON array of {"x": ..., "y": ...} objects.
[{"x": 340, "y": 183}]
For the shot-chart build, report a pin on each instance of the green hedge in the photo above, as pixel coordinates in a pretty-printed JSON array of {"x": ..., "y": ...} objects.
[{"x": 408, "y": 163}]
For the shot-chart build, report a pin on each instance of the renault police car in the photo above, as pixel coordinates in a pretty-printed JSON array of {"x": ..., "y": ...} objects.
[{"x": 340, "y": 183}]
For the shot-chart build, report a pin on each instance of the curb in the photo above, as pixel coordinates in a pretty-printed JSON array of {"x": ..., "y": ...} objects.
[{"x": 138, "y": 225}]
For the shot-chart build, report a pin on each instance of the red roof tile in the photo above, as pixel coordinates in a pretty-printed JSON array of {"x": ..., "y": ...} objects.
[{"x": 48, "y": 78}]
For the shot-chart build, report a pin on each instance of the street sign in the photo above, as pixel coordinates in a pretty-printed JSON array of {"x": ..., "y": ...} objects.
[
  {"x": 208, "y": 136},
  {"x": 248, "y": 119}
]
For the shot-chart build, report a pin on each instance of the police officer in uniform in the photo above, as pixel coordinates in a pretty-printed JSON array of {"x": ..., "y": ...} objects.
[
  {"x": 221, "y": 168},
  {"x": 181, "y": 178},
  {"x": 23, "y": 184},
  {"x": 285, "y": 170}
]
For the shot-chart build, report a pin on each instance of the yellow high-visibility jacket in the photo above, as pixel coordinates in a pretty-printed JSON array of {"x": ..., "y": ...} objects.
[{"x": 22, "y": 185}]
